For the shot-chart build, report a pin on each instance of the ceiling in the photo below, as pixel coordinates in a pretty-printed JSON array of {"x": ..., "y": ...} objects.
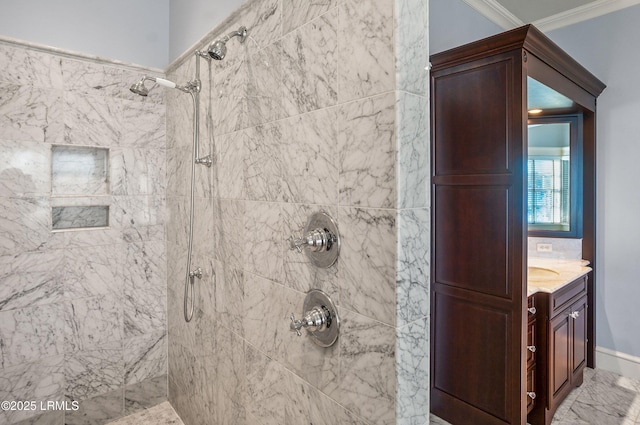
[{"x": 546, "y": 15}]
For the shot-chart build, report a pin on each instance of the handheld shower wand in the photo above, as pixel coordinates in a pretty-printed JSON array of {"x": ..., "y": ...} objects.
[{"x": 142, "y": 90}]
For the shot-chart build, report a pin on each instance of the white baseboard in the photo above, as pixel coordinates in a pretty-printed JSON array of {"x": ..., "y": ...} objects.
[{"x": 620, "y": 363}]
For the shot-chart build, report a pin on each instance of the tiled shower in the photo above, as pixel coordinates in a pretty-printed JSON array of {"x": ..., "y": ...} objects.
[{"x": 323, "y": 107}]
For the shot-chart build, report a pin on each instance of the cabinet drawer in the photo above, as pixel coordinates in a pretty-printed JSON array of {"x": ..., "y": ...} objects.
[
  {"x": 562, "y": 297},
  {"x": 531, "y": 388},
  {"x": 531, "y": 342},
  {"x": 531, "y": 306}
]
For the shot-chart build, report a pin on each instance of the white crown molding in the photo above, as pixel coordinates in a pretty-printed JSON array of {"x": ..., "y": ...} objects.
[
  {"x": 496, "y": 13},
  {"x": 582, "y": 13}
]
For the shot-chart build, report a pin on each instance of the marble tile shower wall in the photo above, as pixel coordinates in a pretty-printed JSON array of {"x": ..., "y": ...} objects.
[
  {"x": 324, "y": 107},
  {"x": 82, "y": 313}
]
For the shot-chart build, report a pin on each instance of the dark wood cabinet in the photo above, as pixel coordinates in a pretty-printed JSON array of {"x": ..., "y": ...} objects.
[
  {"x": 562, "y": 337},
  {"x": 481, "y": 370}
]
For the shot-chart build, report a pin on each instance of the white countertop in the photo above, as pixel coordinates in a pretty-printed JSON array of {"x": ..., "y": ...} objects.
[{"x": 550, "y": 274}]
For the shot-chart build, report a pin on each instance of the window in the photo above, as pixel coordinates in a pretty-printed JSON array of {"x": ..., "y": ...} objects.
[{"x": 548, "y": 184}]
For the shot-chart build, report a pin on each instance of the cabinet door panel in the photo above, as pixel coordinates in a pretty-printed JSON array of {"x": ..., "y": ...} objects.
[
  {"x": 559, "y": 353},
  {"x": 579, "y": 335}
]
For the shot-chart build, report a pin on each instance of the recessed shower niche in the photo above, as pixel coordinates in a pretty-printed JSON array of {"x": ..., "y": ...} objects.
[{"x": 79, "y": 187}]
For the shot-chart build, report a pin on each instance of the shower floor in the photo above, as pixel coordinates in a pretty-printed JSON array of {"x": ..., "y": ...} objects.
[{"x": 162, "y": 414}]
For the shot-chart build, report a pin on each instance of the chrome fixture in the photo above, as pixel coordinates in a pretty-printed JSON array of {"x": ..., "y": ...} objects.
[
  {"x": 320, "y": 319},
  {"x": 218, "y": 49},
  {"x": 142, "y": 90},
  {"x": 320, "y": 240}
]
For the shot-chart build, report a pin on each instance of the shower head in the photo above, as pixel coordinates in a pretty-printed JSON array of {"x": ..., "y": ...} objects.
[
  {"x": 218, "y": 49},
  {"x": 139, "y": 88},
  {"x": 142, "y": 90}
]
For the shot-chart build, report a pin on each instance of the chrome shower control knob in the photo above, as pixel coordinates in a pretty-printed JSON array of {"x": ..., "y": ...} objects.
[
  {"x": 320, "y": 319},
  {"x": 320, "y": 240}
]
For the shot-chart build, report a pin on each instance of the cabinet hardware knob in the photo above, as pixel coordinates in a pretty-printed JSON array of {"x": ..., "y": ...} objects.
[
  {"x": 531, "y": 348},
  {"x": 574, "y": 315},
  {"x": 532, "y": 395},
  {"x": 532, "y": 310}
]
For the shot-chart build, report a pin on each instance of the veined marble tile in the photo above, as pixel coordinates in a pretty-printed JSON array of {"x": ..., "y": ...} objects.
[
  {"x": 91, "y": 78},
  {"x": 231, "y": 377},
  {"x": 25, "y": 169},
  {"x": 93, "y": 271},
  {"x": 145, "y": 310},
  {"x": 229, "y": 232},
  {"x": 179, "y": 121},
  {"x": 367, "y": 270},
  {"x": 317, "y": 365},
  {"x": 229, "y": 296},
  {"x": 42, "y": 380},
  {"x": 299, "y": 273},
  {"x": 94, "y": 372},
  {"x": 178, "y": 171},
  {"x": 264, "y": 165},
  {"x": 24, "y": 223},
  {"x": 145, "y": 395},
  {"x": 29, "y": 68},
  {"x": 30, "y": 114},
  {"x": 137, "y": 211},
  {"x": 145, "y": 265},
  {"x": 366, "y": 51},
  {"x": 367, "y": 152},
  {"x": 412, "y": 368},
  {"x": 308, "y": 405},
  {"x": 137, "y": 171},
  {"x": 92, "y": 322},
  {"x": 267, "y": 388},
  {"x": 203, "y": 226},
  {"x": 367, "y": 382},
  {"x": 144, "y": 125},
  {"x": 264, "y": 243},
  {"x": 161, "y": 414},
  {"x": 310, "y": 66},
  {"x": 228, "y": 173},
  {"x": 92, "y": 120},
  {"x": 264, "y": 22},
  {"x": 230, "y": 103},
  {"x": 31, "y": 279},
  {"x": 145, "y": 357},
  {"x": 412, "y": 172},
  {"x": 298, "y": 12},
  {"x": 55, "y": 417},
  {"x": 28, "y": 334},
  {"x": 412, "y": 269},
  {"x": 309, "y": 147},
  {"x": 608, "y": 399},
  {"x": 263, "y": 298},
  {"x": 264, "y": 85},
  {"x": 97, "y": 410},
  {"x": 412, "y": 46}
]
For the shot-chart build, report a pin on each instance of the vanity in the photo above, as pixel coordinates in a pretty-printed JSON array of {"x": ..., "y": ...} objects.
[
  {"x": 556, "y": 333},
  {"x": 493, "y": 359}
]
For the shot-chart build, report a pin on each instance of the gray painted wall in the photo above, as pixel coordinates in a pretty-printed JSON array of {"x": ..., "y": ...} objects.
[
  {"x": 131, "y": 31},
  {"x": 454, "y": 23},
  {"x": 603, "y": 46},
  {"x": 192, "y": 19}
]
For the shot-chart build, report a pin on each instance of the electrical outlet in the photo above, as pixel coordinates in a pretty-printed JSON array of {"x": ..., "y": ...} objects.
[{"x": 544, "y": 247}]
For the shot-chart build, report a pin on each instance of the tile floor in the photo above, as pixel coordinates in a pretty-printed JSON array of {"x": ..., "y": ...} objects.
[
  {"x": 162, "y": 414},
  {"x": 603, "y": 399}
]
